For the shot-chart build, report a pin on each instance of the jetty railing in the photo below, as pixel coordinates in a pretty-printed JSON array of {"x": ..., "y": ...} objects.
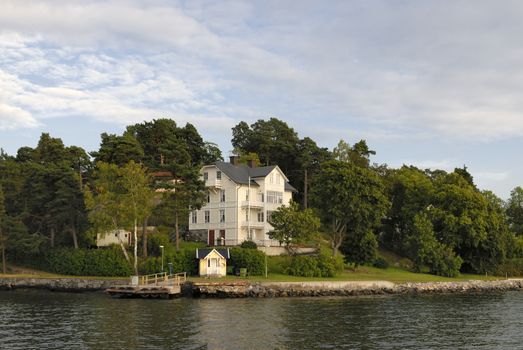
[{"x": 160, "y": 279}]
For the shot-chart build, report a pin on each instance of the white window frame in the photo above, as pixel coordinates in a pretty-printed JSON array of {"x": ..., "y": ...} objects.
[
  {"x": 218, "y": 175},
  {"x": 222, "y": 195},
  {"x": 207, "y": 216},
  {"x": 194, "y": 217},
  {"x": 222, "y": 215}
]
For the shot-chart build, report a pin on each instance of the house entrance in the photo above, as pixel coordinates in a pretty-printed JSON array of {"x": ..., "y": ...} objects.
[
  {"x": 213, "y": 265},
  {"x": 211, "y": 238}
]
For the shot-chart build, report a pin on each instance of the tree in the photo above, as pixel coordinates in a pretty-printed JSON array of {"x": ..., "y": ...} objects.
[
  {"x": 292, "y": 225},
  {"x": 351, "y": 202},
  {"x": 359, "y": 154},
  {"x": 515, "y": 210},
  {"x": 118, "y": 150},
  {"x": 188, "y": 193},
  {"x": 14, "y": 236},
  {"x": 136, "y": 200},
  {"x": 121, "y": 197}
]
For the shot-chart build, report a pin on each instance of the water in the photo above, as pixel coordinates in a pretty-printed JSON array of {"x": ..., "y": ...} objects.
[{"x": 46, "y": 320}]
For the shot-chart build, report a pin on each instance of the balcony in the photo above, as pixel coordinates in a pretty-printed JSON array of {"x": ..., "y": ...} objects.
[
  {"x": 253, "y": 224},
  {"x": 213, "y": 183},
  {"x": 252, "y": 204}
]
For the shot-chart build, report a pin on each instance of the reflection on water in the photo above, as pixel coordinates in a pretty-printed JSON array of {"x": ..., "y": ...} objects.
[{"x": 45, "y": 320}]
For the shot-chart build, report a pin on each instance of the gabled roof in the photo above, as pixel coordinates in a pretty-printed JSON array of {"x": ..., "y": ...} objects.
[
  {"x": 204, "y": 252},
  {"x": 241, "y": 173}
]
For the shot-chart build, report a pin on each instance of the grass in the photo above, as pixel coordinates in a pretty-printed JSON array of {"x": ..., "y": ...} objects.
[{"x": 364, "y": 273}]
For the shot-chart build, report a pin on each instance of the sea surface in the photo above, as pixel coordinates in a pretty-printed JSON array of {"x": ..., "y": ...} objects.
[{"x": 51, "y": 320}]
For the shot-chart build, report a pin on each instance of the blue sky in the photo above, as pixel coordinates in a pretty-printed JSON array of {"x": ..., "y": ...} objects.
[{"x": 436, "y": 84}]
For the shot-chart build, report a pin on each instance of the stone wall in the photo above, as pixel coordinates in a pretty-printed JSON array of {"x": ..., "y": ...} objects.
[
  {"x": 335, "y": 288},
  {"x": 60, "y": 284}
]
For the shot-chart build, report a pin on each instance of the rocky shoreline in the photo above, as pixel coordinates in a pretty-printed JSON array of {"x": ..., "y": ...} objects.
[
  {"x": 352, "y": 288},
  {"x": 244, "y": 289}
]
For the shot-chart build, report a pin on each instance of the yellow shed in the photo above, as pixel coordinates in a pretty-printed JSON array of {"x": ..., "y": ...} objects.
[{"x": 213, "y": 261}]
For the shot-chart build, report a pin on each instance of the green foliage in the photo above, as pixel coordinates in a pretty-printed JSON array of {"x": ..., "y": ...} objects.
[
  {"x": 252, "y": 259},
  {"x": 358, "y": 154},
  {"x": 515, "y": 210},
  {"x": 315, "y": 266},
  {"x": 292, "y": 225},
  {"x": 510, "y": 268},
  {"x": 248, "y": 245},
  {"x": 351, "y": 203},
  {"x": 380, "y": 263},
  {"x": 84, "y": 262}
]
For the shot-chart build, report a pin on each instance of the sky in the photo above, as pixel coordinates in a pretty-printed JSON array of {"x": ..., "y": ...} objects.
[{"x": 436, "y": 84}]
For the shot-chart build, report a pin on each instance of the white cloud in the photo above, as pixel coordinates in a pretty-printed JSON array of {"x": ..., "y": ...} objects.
[{"x": 12, "y": 118}]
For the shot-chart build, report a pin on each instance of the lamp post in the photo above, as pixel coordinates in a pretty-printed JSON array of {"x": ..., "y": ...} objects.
[
  {"x": 161, "y": 247},
  {"x": 267, "y": 245}
]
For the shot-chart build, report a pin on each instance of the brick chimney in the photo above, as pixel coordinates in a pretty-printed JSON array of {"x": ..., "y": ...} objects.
[
  {"x": 251, "y": 163},
  {"x": 234, "y": 160}
]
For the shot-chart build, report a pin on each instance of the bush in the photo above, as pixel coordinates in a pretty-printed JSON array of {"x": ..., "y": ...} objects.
[
  {"x": 315, "y": 266},
  {"x": 248, "y": 245},
  {"x": 380, "y": 263},
  {"x": 183, "y": 261},
  {"x": 510, "y": 268},
  {"x": 88, "y": 262},
  {"x": 252, "y": 259}
]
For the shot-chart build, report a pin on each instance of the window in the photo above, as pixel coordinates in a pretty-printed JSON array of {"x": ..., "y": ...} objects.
[
  {"x": 271, "y": 179},
  {"x": 207, "y": 216},
  {"x": 194, "y": 217},
  {"x": 274, "y": 197},
  {"x": 277, "y": 179},
  {"x": 269, "y": 215},
  {"x": 260, "y": 217},
  {"x": 262, "y": 197},
  {"x": 218, "y": 175},
  {"x": 222, "y": 215},
  {"x": 246, "y": 216},
  {"x": 206, "y": 176},
  {"x": 222, "y": 195},
  {"x": 208, "y": 197}
]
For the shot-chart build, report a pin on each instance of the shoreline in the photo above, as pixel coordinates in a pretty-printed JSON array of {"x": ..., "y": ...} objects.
[{"x": 247, "y": 289}]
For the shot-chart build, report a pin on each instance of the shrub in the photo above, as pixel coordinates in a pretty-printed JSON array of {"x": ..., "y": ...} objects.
[
  {"x": 248, "y": 245},
  {"x": 252, "y": 259},
  {"x": 183, "y": 261},
  {"x": 88, "y": 262},
  {"x": 315, "y": 266},
  {"x": 510, "y": 268},
  {"x": 380, "y": 263}
]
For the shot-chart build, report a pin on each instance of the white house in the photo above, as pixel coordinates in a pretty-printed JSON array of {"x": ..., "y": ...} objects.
[
  {"x": 240, "y": 200},
  {"x": 113, "y": 237}
]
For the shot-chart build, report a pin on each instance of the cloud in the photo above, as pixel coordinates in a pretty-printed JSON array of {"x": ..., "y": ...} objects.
[
  {"x": 12, "y": 118},
  {"x": 415, "y": 69}
]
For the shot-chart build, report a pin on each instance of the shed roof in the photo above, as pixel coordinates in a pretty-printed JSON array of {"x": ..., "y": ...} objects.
[{"x": 202, "y": 253}]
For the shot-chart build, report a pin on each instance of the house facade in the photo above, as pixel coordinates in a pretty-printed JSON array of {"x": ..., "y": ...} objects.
[{"x": 240, "y": 201}]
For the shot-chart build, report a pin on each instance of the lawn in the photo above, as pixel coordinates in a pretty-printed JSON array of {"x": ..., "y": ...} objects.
[{"x": 363, "y": 273}]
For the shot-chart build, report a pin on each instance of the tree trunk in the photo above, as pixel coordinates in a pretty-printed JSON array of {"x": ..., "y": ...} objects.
[
  {"x": 305, "y": 190},
  {"x": 4, "y": 261},
  {"x": 75, "y": 237},
  {"x": 51, "y": 238},
  {"x": 135, "y": 246},
  {"x": 125, "y": 253},
  {"x": 144, "y": 238},
  {"x": 177, "y": 229}
]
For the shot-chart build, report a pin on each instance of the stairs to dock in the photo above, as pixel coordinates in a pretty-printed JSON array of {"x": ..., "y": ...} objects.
[{"x": 158, "y": 285}]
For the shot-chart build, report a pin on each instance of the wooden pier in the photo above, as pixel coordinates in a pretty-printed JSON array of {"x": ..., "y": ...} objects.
[{"x": 158, "y": 285}]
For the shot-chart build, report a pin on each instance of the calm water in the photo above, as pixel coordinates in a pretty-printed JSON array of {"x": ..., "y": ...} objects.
[{"x": 46, "y": 320}]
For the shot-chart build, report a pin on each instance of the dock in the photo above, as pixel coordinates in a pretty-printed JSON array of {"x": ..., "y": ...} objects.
[{"x": 158, "y": 285}]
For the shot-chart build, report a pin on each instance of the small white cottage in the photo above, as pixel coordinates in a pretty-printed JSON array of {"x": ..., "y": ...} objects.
[{"x": 213, "y": 261}]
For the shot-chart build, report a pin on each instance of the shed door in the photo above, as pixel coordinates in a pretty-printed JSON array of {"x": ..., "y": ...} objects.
[
  {"x": 211, "y": 238},
  {"x": 213, "y": 266}
]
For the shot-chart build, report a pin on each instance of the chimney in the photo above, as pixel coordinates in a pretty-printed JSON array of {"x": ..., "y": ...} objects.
[
  {"x": 234, "y": 160},
  {"x": 251, "y": 163}
]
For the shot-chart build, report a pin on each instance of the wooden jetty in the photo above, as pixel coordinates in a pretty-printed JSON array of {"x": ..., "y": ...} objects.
[{"x": 158, "y": 285}]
